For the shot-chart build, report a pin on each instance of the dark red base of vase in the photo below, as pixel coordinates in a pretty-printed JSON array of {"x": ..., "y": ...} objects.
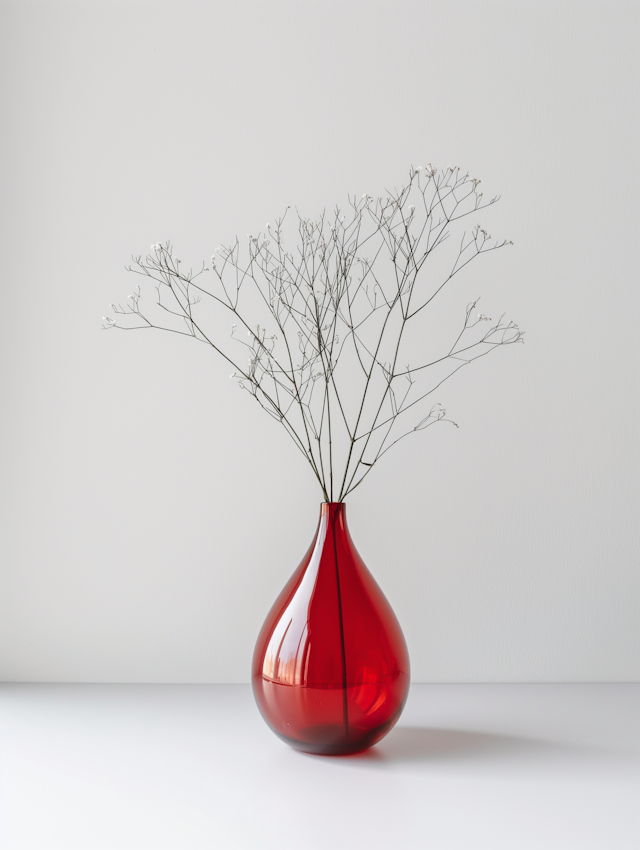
[
  {"x": 330, "y": 740},
  {"x": 342, "y": 726}
]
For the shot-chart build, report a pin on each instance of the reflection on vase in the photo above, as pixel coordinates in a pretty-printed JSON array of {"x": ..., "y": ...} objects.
[{"x": 330, "y": 668}]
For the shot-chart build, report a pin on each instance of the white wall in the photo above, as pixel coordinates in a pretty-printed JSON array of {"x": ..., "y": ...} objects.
[{"x": 150, "y": 514}]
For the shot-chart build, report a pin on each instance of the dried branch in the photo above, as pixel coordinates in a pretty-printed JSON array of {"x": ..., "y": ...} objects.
[{"x": 321, "y": 331}]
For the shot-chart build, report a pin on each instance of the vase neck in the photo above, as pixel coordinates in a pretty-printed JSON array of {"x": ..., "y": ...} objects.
[{"x": 333, "y": 517}]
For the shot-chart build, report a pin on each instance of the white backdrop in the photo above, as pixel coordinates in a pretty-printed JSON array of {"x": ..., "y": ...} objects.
[{"x": 150, "y": 514}]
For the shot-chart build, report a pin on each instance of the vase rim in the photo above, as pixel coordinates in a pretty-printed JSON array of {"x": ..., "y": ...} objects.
[{"x": 333, "y": 509}]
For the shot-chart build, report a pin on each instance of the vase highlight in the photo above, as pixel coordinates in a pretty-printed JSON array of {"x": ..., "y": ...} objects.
[{"x": 331, "y": 668}]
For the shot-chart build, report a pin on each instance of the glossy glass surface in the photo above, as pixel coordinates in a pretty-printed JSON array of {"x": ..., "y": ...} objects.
[{"x": 331, "y": 668}]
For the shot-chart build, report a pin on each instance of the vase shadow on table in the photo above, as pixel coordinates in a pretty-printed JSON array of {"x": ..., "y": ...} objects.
[
  {"x": 414, "y": 743},
  {"x": 418, "y": 747}
]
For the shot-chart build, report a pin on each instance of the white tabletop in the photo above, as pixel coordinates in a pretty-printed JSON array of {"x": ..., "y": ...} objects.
[{"x": 131, "y": 767}]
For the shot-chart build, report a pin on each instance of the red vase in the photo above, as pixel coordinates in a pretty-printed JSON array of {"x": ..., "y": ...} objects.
[{"x": 331, "y": 668}]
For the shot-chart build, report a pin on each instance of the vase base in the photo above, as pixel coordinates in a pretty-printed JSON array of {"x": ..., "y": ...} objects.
[{"x": 330, "y": 740}]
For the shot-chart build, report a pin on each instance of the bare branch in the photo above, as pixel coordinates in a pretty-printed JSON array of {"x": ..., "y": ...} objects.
[{"x": 321, "y": 328}]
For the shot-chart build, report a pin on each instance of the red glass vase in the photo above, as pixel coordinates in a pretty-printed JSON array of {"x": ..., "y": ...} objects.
[{"x": 331, "y": 668}]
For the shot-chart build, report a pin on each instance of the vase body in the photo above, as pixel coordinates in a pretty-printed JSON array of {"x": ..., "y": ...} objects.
[{"x": 331, "y": 668}]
